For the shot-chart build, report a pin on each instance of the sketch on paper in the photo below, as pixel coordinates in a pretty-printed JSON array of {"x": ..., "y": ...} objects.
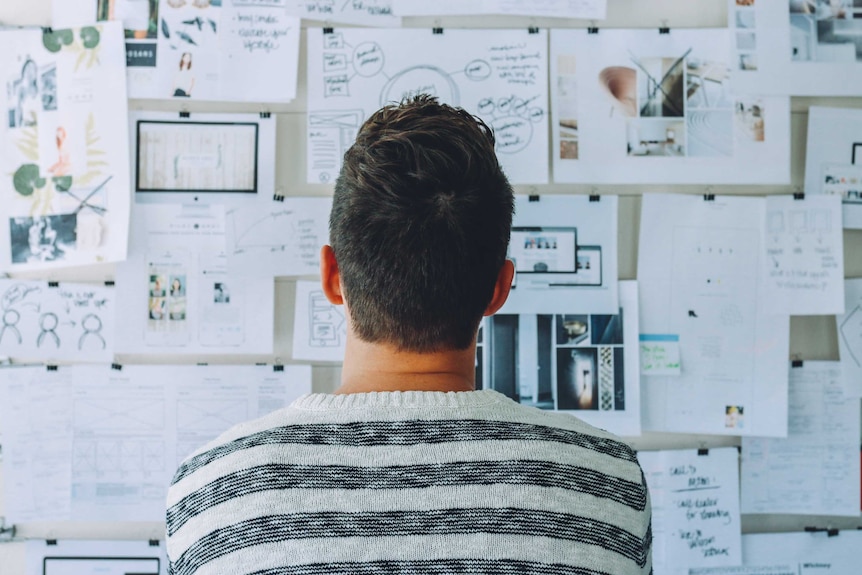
[
  {"x": 281, "y": 238},
  {"x": 187, "y": 156},
  {"x": 354, "y": 72},
  {"x": 68, "y": 321},
  {"x": 66, "y": 176},
  {"x": 662, "y": 105},
  {"x": 320, "y": 328}
]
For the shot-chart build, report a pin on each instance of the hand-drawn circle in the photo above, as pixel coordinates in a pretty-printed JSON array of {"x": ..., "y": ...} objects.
[
  {"x": 512, "y": 133},
  {"x": 368, "y": 59},
  {"x": 11, "y": 317},
  {"x": 49, "y": 321},
  {"x": 486, "y": 106},
  {"x": 536, "y": 114},
  {"x": 420, "y": 80},
  {"x": 477, "y": 70},
  {"x": 92, "y": 323}
]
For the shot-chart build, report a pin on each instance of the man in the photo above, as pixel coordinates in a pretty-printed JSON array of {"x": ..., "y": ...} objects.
[{"x": 405, "y": 468}]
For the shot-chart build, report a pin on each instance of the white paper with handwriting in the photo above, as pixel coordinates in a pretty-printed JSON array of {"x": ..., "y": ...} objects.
[
  {"x": 46, "y": 322},
  {"x": 695, "y": 508},
  {"x": 804, "y": 244},
  {"x": 359, "y": 13},
  {"x": 499, "y": 75},
  {"x": 320, "y": 328}
]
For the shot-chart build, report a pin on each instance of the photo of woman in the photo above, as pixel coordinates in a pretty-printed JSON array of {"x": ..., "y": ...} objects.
[{"x": 184, "y": 81}]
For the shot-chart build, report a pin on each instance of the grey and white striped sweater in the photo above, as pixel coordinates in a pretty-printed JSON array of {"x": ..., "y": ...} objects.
[{"x": 410, "y": 482}]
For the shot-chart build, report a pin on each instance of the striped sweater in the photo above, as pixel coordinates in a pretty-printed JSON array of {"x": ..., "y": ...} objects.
[{"x": 410, "y": 482}]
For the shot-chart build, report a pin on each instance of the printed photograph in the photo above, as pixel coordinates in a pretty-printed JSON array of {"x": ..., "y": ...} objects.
[
  {"x": 577, "y": 381},
  {"x": 157, "y": 308},
  {"x": 567, "y": 105},
  {"x": 656, "y": 137},
  {"x": 710, "y": 133},
  {"x": 733, "y": 417},
  {"x": 706, "y": 83},
  {"x": 158, "y": 284},
  {"x": 43, "y": 238},
  {"x": 746, "y": 19},
  {"x": 660, "y": 86},
  {"x": 747, "y": 61},
  {"x": 749, "y": 119},
  {"x": 177, "y": 309},
  {"x": 140, "y": 17},
  {"x": 178, "y": 285},
  {"x": 826, "y": 30},
  {"x": 22, "y": 96},
  {"x": 221, "y": 294},
  {"x": 572, "y": 329},
  {"x": 746, "y": 41}
]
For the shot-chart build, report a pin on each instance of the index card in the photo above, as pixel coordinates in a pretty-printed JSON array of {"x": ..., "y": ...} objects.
[
  {"x": 695, "y": 506},
  {"x": 815, "y": 470}
]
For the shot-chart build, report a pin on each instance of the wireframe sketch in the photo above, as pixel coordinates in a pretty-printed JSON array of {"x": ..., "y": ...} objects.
[
  {"x": 185, "y": 156},
  {"x": 326, "y": 322},
  {"x": 56, "y": 322},
  {"x": 826, "y": 30},
  {"x": 354, "y": 72}
]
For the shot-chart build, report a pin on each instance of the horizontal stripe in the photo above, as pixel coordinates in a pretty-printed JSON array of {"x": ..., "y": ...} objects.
[
  {"x": 658, "y": 337},
  {"x": 522, "y": 472},
  {"x": 469, "y": 566},
  {"x": 250, "y": 506},
  {"x": 508, "y": 521},
  {"x": 410, "y": 432}
]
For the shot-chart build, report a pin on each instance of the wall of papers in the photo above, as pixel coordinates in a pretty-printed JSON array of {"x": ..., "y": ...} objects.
[{"x": 712, "y": 134}]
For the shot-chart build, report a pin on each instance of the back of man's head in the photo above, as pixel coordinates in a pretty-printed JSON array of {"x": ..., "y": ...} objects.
[{"x": 420, "y": 225}]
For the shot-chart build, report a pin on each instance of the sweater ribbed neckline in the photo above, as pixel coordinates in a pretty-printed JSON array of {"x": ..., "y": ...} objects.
[{"x": 397, "y": 399}]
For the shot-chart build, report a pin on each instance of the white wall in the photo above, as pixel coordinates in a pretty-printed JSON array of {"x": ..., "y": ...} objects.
[{"x": 811, "y": 337}]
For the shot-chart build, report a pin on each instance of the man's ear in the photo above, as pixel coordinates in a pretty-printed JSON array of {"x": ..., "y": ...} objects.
[
  {"x": 330, "y": 277},
  {"x": 501, "y": 287}
]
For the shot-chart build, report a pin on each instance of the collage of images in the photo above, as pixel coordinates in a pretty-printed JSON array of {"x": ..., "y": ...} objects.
[{"x": 555, "y": 362}]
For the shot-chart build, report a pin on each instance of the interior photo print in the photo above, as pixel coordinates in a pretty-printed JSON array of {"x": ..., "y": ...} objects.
[
  {"x": 555, "y": 362},
  {"x": 826, "y": 30}
]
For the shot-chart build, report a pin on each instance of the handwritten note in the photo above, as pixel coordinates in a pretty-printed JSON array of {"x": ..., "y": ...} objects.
[
  {"x": 804, "y": 255},
  {"x": 359, "y": 12},
  {"x": 260, "y": 44},
  {"x": 659, "y": 354},
  {"x": 695, "y": 503}
]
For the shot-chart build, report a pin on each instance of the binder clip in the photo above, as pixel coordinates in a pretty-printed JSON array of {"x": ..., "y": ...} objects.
[
  {"x": 276, "y": 197},
  {"x": 6, "y": 533},
  {"x": 154, "y": 542},
  {"x": 328, "y": 30},
  {"x": 52, "y": 367},
  {"x": 278, "y": 368},
  {"x": 592, "y": 28},
  {"x": 437, "y": 30},
  {"x": 595, "y": 198},
  {"x": 664, "y": 28},
  {"x": 53, "y": 284},
  {"x": 185, "y": 114},
  {"x": 708, "y": 197},
  {"x": 533, "y": 198},
  {"x": 533, "y": 30},
  {"x": 117, "y": 366},
  {"x": 703, "y": 451},
  {"x": 796, "y": 363},
  {"x": 109, "y": 283},
  {"x": 798, "y": 195},
  {"x": 265, "y": 115}
]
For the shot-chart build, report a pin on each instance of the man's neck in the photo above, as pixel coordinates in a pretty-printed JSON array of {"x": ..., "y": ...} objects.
[{"x": 381, "y": 367}]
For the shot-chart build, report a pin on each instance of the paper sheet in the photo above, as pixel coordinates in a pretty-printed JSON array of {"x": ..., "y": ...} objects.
[
  {"x": 230, "y": 50},
  {"x": 93, "y": 557},
  {"x": 209, "y": 158},
  {"x": 701, "y": 277},
  {"x": 44, "y": 321},
  {"x": 746, "y": 570},
  {"x": 585, "y": 363},
  {"x": 281, "y": 237},
  {"x": 797, "y": 47},
  {"x": 64, "y": 155},
  {"x": 850, "y": 337},
  {"x": 804, "y": 246},
  {"x": 364, "y": 13},
  {"x": 134, "y": 427},
  {"x": 175, "y": 293},
  {"x": 320, "y": 328},
  {"x": 640, "y": 107},
  {"x": 586, "y": 9},
  {"x": 659, "y": 354},
  {"x": 695, "y": 508},
  {"x": 565, "y": 254},
  {"x": 815, "y": 470},
  {"x": 499, "y": 75},
  {"x": 808, "y": 553},
  {"x": 36, "y": 427},
  {"x": 833, "y": 158}
]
